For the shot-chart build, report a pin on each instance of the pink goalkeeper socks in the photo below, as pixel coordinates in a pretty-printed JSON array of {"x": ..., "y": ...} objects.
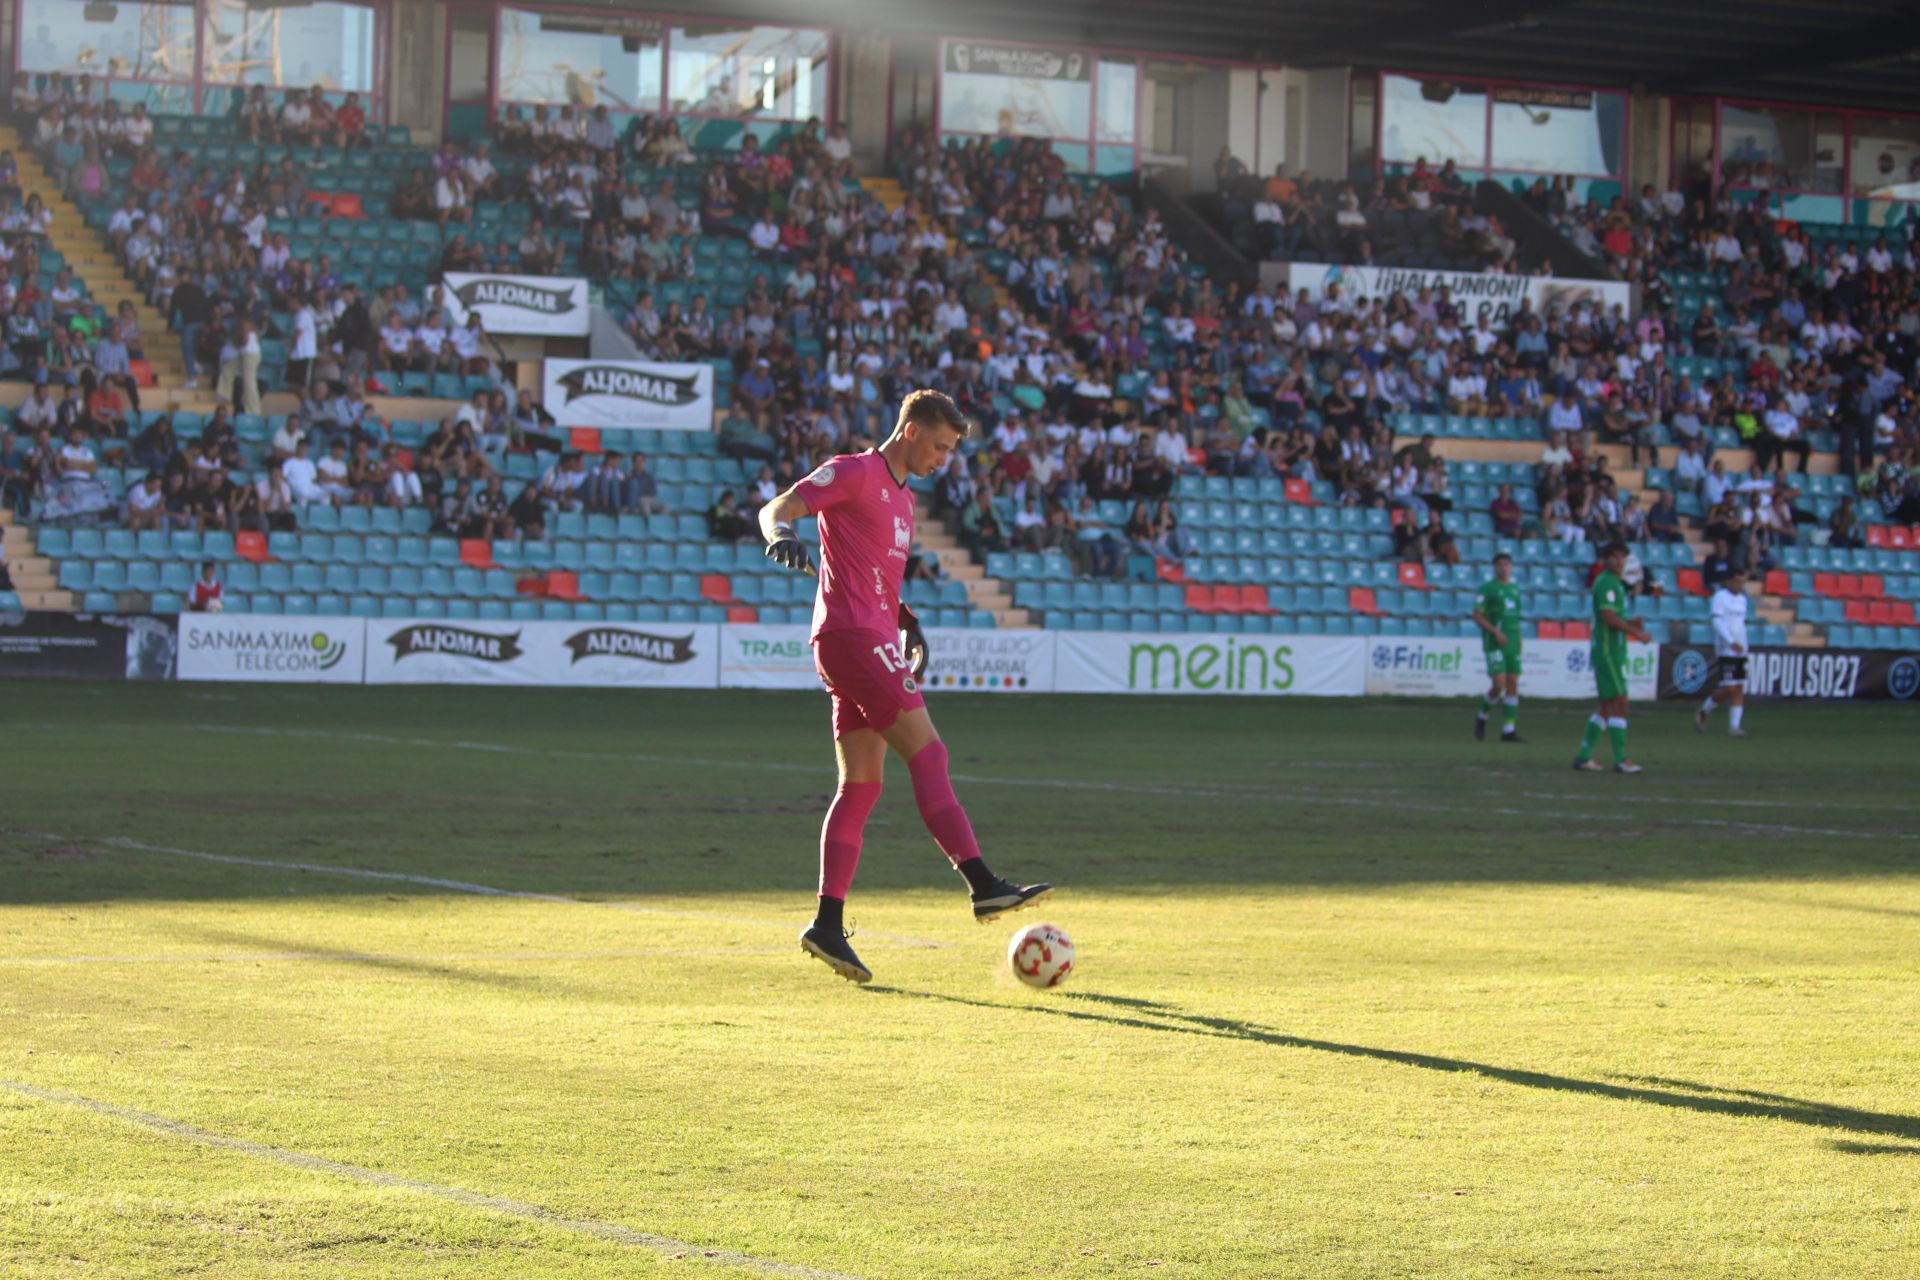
[
  {"x": 939, "y": 807},
  {"x": 840, "y": 836}
]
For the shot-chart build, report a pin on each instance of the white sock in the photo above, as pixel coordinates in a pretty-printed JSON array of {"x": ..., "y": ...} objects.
[
  {"x": 1510, "y": 729},
  {"x": 1706, "y": 708},
  {"x": 1616, "y": 722},
  {"x": 1733, "y": 716}
]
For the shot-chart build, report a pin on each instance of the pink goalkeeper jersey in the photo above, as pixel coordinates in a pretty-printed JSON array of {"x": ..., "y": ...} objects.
[{"x": 866, "y": 534}]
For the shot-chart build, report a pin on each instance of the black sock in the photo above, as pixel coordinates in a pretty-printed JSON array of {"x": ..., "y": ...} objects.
[
  {"x": 979, "y": 879},
  {"x": 829, "y": 914}
]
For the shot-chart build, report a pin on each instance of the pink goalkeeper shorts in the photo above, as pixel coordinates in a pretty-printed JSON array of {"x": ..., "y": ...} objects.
[{"x": 868, "y": 678}]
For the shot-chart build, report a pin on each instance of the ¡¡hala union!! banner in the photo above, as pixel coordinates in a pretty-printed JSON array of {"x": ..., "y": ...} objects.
[
  {"x": 1456, "y": 667},
  {"x": 548, "y": 306},
  {"x": 1824, "y": 675},
  {"x": 1476, "y": 293},
  {"x": 1245, "y": 665},
  {"x": 613, "y": 394},
  {"x": 602, "y": 654},
  {"x": 271, "y": 648}
]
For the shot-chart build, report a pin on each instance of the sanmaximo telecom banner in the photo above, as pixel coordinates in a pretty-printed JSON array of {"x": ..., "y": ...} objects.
[
  {"x": 550, "y": 306},
  {"x": 1456, "y": 667},
  {"x": 1475, "y": 293},
  {"x": 607, "y": 654},
  {"x": 612, "y": 394},
  {"x": 962, "y": 660},
  {"x": 262, "y": 647},
  {"x": 1249, "y": 665}
]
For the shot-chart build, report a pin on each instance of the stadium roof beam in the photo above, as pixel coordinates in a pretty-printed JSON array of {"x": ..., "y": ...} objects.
[
  {"x": 1883, "y": 40},
  {"x": 1368, "y": 38}
]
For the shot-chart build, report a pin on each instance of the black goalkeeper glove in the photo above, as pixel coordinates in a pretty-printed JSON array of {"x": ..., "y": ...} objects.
[
  {"x": 787, "y": 551},
  {"x": 913, "y": 643}
]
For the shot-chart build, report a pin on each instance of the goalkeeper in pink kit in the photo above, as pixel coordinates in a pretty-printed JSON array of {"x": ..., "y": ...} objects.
[{"x": 870, "y": 653}]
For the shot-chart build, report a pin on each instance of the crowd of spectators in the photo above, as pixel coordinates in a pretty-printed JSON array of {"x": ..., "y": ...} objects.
[
  {"x": 1099, "y": 364},
  {"x": 1425, "y": 217}
]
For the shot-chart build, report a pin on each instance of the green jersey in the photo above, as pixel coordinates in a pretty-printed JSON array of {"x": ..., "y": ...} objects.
[
  {"x": 1499, "y": 604},
  {"x": 1609, "y": 646}
]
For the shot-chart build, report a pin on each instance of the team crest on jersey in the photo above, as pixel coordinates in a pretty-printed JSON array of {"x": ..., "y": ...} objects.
[
  {"x": 909, "y": 685},
  {"x": 823, "y": 474}
]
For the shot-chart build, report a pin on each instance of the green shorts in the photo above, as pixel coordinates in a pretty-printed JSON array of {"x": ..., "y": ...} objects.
[
  {"x": 1504, "y": 662},
  {"x": 1609, "y": 676}
]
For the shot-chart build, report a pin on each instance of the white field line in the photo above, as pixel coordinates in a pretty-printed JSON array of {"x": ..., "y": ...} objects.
[
  {"x": 646, "y": 1240},
  {"x": 435, "y": 882},
  {"x": 385, "y": 957}
]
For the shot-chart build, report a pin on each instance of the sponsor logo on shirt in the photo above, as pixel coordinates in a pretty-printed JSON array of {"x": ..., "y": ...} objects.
[
  {"x": 458, "y": 641},
  {"x": 618, "y": 642},
  {"x": 902, "y": 534},
  {"x": 822, "y": 475}
]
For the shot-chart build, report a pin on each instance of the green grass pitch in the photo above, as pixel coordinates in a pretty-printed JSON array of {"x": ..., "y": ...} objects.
[{"x": 1356, "y": 996}]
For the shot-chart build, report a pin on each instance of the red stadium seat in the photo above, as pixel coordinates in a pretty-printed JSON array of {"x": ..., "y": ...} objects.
[
  {"x": 1169, "y": 571},
  {"x": 1846, "y": 585},
  {"x": 1253, "y": 599},
  {"x": 1552, "y": 630},
  {"x": 347, "y": 205},
  {"x": 1199, "y": 597},
  {"x": 534, "y": 586},
  {"x": 717, "y": 587},
  {"x": 1691, "y": 582},
  {"x": 1362, "y": 600},
  {"x": 1576, "y": 631},
  {"x": 1902, "y": 611},
  {"x": 1880, "y": 613},
  {"x": 1872, "y": 586},
  {"x": 1226, "y": 598},
  {"x": 1876, "y": 535},
  {"x": 1899, "y": 537},
  {"x": 477, "y": 552},
  {"x": 1855, "y": 611},
  {"x": 1395, "y": 515},
  {"x": 1301, "y": 492},
  {"x": 1826, "y": 584},
  {"x": 584, "y": 439},
  {"x": 563, "y": 585},
  {"x": 743, "y": 613},
  {"x": 142, "y": 373},
  {"x": 1413, "y": 575},
  {"x": 1778, "y": 583},
  {"x": 251, "y": 547}
]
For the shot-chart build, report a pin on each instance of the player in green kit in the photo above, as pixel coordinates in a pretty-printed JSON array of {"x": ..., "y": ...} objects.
[
  {"x": 1498, "y": 616},
  {"x": 1611, "y": 631}
]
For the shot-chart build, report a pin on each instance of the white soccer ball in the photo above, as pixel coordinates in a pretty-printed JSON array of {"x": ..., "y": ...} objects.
[
  {"x": 1041, "y": 956},
  {"x": 214, "y": 605}
]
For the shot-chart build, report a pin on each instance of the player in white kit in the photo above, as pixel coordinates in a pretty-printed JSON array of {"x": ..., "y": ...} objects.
[{"x": 1730, "y": 655}]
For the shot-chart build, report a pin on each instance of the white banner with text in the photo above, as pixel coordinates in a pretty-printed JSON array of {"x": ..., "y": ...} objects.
[
  {"x": 1248, "y": 665},
  {"x": 1456, "y": 667},
  {"x": 269, "y": 648},
  {"x": 1475, "y": 293},
  {"x": 547, "y": 306},
  {"x": 615, "y": 394},
  {"x": 602, "y": 654}
]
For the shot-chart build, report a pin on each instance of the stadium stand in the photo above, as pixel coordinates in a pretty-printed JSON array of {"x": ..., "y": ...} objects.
[{"x": 1311, "y": 464}]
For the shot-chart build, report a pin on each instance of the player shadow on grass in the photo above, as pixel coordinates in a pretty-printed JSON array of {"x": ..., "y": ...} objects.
[
  {"x": 423, "y": 967},
  {"x": 1677, "y": 1093}
]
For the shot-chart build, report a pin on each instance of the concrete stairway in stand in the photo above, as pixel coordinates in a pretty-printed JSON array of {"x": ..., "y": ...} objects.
[{"x": 32, "y": 573}]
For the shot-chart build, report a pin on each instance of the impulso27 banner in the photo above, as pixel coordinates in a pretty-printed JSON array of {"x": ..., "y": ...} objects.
[
  {"x": 1243, "y": 665},
  {"x": 1475, "y": 293},
  {"x": 549, "y": 306},
  {"x": 1456, "y": 667},
  {"x": 613, "y": 394},
  {"x": 603, "y": 654},
  {"x": 1820, "y": 675}
]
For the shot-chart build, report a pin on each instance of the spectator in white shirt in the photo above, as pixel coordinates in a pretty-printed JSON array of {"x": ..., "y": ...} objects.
[{"x": 302, "y": 476}]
